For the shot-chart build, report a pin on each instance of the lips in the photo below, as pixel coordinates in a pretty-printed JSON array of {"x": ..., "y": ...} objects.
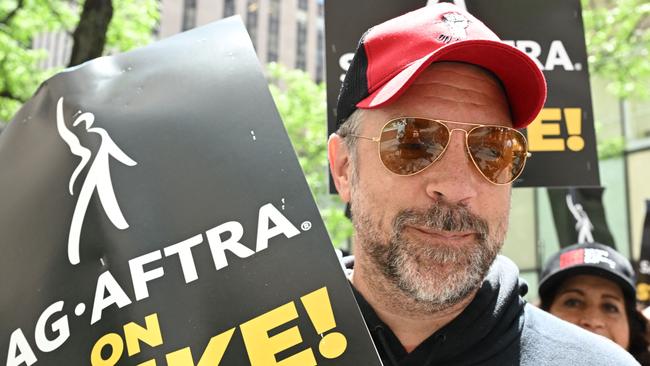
[{"x": 448, "y": 236}]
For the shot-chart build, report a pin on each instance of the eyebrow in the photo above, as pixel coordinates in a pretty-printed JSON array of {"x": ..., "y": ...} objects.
[
  {"x": 580, "y": 292},
  {"x": 613, "y": 297}
]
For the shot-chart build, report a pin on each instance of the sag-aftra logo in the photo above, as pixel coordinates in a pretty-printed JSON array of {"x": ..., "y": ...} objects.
[
  {"x": 98, "y": 178},
  {"x": 53, "y": 326}
]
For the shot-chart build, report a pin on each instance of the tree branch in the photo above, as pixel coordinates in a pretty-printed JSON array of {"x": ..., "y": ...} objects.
[
  {"x": 12, "y": 13},
  {"x": 633, "y": 30},
  {"x": 90, "y": 35},
  {"x": 8, "y": 95}
]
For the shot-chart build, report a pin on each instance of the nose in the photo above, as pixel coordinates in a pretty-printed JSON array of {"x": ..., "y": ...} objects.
[
  {"x": 591, "y": 320},
  {"x": 453, "y": 177}
]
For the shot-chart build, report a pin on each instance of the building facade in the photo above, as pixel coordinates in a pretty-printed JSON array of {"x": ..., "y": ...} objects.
[{"x": 290, "y": 32}]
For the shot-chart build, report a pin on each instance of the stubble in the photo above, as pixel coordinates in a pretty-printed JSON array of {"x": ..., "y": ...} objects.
[{"x": 435, "y": 276}]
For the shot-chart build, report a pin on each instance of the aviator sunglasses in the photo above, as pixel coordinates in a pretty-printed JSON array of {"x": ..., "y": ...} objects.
[{"x": 408, "y": 145}]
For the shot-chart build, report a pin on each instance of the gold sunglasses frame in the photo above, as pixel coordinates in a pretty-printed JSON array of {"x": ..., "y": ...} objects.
[{"x": 450, "y": 131}]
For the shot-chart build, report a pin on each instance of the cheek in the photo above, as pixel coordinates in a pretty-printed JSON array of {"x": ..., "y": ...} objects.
[
  {"x": 620, "y": 332},
  {"x": 494, "y": 205},
  {"x": 382, "y": 191},
  {"x": 495, "y": 197},
  {"x": 571, "y": 315},
  {"x": 370, "y": 197}
]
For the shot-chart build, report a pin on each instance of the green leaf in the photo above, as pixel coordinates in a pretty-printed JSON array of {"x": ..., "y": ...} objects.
[
  {"x": 302, "y": 105},
  {"x": 132, "y": 26},
  {"x": 618, "y": 43}
]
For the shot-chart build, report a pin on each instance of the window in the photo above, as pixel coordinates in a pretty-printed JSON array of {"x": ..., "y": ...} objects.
[
  {"x": 251, "y": 19},
  {"x": 274, "y": 30},
  {"x": 638, "y": 118},
  {"x": 228, "y": 8},
  {"x": 303, "y": 5},
  {"x": 301, "y": 46},
  {"x": 189, "y": 14}
]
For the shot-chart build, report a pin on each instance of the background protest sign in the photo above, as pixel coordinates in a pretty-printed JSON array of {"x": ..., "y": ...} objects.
[
  {"x": 562, "y": 138},
  {"x": 643, "y": 268},
  {"x": 154, "y": 213}
]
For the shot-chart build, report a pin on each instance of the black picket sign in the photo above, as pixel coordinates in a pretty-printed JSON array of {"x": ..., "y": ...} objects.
[
  {"x": 585, "y": 208},
  {"x": 154, "y": 212},
  {"x": 643, "y": 270},
  {"x": 562, "y": 138}
]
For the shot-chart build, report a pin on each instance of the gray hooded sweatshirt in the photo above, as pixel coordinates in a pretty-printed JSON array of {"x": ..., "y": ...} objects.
[{"x": 498, "y": 328}]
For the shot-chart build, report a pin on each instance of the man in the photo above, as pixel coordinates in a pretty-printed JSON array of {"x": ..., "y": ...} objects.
[{"x": 439, "y": 93}]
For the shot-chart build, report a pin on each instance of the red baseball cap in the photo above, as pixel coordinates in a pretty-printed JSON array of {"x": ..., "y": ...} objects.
[{"x": 391, "y": 55}]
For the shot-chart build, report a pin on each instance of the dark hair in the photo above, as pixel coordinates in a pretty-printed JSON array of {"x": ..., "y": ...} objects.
[
  {"x": 637, "y": 323},
  {"x": 545, "y": 302},
  {"x": 638, "y": 335}
]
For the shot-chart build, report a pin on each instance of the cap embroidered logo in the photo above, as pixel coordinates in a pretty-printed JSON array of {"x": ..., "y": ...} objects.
[
  {"x": 572, "y": 258},
  {"x": 456, "y": 23},
  {"x": 597, "y": 256}
]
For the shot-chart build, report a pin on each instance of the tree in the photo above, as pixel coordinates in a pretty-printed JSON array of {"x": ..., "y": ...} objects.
[
  {"x": 618, "y": 43},
  {"x": 103, "y": 26},
  {"x": 617, "y": 33},
  {"x": 301, "y": 103}
]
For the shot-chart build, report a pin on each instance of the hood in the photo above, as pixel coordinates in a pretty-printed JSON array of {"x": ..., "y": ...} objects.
[{"x": 489, "y": 328}]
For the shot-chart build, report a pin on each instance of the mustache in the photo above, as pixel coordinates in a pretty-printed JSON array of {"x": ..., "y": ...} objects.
[{"x": 443, "y": 216}]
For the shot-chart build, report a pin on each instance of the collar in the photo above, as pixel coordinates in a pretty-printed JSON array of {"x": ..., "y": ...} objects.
[{"x": 490, "y": 323}]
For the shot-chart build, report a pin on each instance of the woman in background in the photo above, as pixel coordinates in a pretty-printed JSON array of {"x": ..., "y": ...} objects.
[{"x": 592, "y": 285}]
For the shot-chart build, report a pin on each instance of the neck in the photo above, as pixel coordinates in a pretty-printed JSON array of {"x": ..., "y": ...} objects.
[{"x": 410, "y": 320}]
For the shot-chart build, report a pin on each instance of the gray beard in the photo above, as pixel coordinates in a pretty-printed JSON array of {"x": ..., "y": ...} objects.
[{"x": 434, "y": 277}]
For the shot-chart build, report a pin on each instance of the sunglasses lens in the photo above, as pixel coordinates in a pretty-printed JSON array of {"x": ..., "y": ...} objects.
[
  {"x": 409, "y": 145},
  {"x": 498, "y": 152}
]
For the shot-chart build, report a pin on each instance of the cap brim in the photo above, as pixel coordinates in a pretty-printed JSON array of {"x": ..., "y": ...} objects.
[
  {"x": 522, "y": 79},
  {"x": 549, "y": 285}
]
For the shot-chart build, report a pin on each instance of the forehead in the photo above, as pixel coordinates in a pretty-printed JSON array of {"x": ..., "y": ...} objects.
[
  {"x": 592, "y": 285},
  {"x": 451, "y": 91}
]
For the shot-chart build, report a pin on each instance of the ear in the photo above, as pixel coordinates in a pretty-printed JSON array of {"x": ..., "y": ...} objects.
[{"x": 340, "y": 165}]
